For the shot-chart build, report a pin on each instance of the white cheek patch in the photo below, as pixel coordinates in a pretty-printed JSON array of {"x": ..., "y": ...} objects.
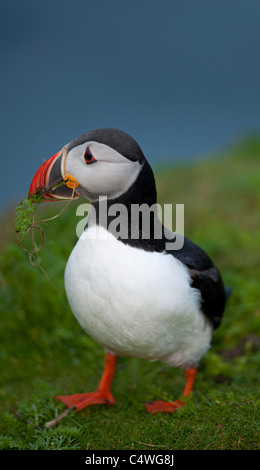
[
  {"x": 105, "y": 153},
  {"x": 111, "y": 176}
]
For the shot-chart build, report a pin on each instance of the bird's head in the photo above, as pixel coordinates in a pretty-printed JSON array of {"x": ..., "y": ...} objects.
[{"x": 103, "y": 162}]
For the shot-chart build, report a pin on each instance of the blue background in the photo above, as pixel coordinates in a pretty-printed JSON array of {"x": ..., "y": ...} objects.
[{"x": 181, "y": 76}]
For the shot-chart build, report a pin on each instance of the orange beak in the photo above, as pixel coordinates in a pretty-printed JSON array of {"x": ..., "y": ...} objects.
[{"x": 51, "y": 180}]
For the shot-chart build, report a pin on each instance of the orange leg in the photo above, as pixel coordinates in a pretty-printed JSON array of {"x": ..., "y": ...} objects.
[
  {"x": 190, "y": 378},
  {"x": 102, "y": 395},
  {"x": 169, "y": 407}
]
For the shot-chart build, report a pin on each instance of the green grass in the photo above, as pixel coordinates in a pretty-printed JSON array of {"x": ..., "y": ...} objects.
[{"x": 44, "y": 352}]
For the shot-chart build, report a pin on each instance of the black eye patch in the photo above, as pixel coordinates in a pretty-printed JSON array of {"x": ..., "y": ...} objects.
[{"x": 89, "y": 157}]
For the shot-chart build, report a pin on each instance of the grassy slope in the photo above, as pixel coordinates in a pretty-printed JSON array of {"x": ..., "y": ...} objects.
[{"x": 44, "y": 352}]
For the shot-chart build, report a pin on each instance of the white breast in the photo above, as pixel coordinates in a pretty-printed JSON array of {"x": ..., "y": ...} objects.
[{"x": 135, "y": 303}]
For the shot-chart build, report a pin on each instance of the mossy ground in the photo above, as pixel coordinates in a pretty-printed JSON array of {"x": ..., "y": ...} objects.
[{"x": 44, "y": 352}]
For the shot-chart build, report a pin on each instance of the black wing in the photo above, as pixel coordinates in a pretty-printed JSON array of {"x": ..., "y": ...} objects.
[{"x": 205, "y": 277}]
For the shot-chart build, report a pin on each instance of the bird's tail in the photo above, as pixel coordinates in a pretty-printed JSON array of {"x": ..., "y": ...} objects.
[{"x": 228, "y": 292}]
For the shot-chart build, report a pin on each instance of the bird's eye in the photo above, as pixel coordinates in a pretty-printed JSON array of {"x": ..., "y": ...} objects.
[{"x": 88, "y": 156}]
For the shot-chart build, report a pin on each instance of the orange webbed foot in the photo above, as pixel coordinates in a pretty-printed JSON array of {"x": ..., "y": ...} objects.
[
  {"x": 82, "y": 400},
  {"x": 102, "y": 395},
  {"x": 161, "y": 406}
]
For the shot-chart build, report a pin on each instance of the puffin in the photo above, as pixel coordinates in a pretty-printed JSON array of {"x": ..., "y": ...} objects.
[{"x": 130, "y": 290}]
